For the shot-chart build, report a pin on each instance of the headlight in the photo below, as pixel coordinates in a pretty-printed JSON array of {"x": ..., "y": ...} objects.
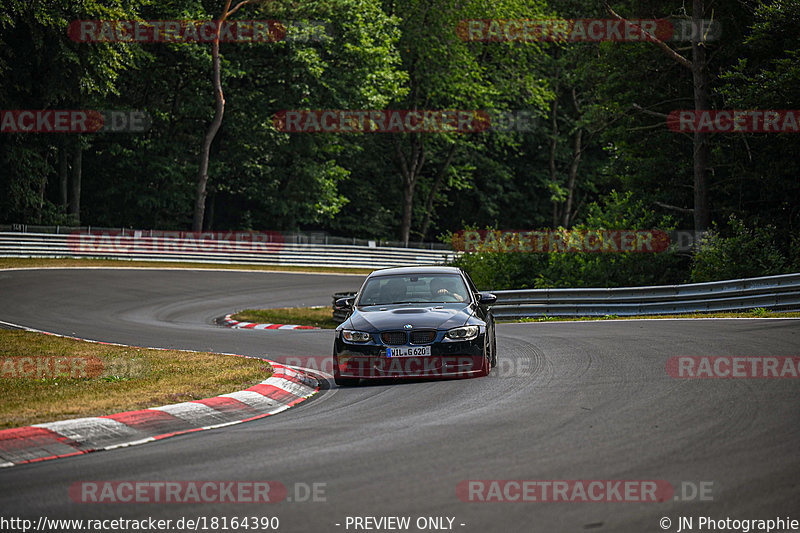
[
  {"x": 464, "y": 333},
  {"x": 356, "y": 336}
]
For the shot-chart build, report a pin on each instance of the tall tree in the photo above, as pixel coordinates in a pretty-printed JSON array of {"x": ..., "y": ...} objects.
[
  {"x": 699, "y": 69},
  {"x": 445, "y": 72},
  {"x": 42, "y": 68},
  {"x": 216, "y": 122}
]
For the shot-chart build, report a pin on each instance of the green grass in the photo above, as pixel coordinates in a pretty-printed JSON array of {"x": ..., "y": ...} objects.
[
  {"x": 20, "y": 262},
  {"x": 116, "y": 378},
  {"x": 321, "y": 317}
]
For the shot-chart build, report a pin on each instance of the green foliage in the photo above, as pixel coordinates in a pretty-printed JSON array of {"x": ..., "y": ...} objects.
[
  {"x": 747, "y": 252},
  {"x": 633, "y": 172},
  {"x": 42, "y": 68},
  {"x": 763, "y": 184},
  {"x": 497, "y": 271}
]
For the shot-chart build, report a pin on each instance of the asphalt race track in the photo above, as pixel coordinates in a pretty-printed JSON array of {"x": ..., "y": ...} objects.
[{"x": 585, "y": 401}]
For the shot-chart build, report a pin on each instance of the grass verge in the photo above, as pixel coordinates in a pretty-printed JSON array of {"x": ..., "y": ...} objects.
[
  {"x": 109, "y": 379},
  {"x": 24, "y": 262},
  {"x": 321, "y": 317}
]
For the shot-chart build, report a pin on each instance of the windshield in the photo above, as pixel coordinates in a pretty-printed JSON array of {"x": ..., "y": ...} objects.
[{"x": 425, "y": 288}]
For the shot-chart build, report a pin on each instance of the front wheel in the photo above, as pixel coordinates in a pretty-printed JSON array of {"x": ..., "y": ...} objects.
[
  {"x": 494, "y": 349},
  {"x": 486, "y": 363},
  {"x": 345, "y": 382},
  {"x": 341, "y": 381}
]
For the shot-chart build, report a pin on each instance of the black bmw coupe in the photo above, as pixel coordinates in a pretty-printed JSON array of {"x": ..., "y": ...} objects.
[{"x": 415, "y": 322}]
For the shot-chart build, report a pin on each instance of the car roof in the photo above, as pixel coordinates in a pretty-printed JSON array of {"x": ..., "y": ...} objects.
[{"x": 416, "y": 270}]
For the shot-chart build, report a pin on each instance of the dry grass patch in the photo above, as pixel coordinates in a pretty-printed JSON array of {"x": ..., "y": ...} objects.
[
  {"x": 128, "y": 378},
  {"x": 321, "y": 317}
]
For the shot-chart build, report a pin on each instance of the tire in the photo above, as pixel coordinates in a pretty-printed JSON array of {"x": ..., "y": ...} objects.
[
  {"x": 339, "y": 380},
  {"x": 345, "y": 382},
  {"x": 494, "y": 349},
  {"x": 486, "y": 364}
]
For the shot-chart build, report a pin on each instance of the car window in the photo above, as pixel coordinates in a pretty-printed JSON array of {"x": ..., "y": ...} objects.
[
  {"x": 425, "y": 288},
  {"x": 471, "y": 284}
]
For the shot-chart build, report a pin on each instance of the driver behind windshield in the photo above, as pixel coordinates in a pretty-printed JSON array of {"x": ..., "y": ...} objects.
[{"x": 447, "y": 289}]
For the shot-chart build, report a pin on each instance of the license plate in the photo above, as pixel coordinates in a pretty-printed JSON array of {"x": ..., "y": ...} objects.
[{"x": 408, "y": 351}]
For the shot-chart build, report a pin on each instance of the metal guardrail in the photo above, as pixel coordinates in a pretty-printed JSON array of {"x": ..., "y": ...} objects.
[
  {"x": 770, "y": 292},
  {"x": 206, "y": 249},
  {"x": 295, "y": 237}
]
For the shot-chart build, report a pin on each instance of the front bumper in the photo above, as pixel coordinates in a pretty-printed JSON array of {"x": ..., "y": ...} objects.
[
  {"x": 456, "y": 359},
  {"x": 434, "y": 366}
]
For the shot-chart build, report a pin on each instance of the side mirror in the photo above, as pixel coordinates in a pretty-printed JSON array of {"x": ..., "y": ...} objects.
[
  {"x": 344, "y": 304},
  {"x": 486, "y": 298}
]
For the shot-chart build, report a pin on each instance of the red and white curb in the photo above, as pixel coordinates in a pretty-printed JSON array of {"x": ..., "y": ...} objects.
[
  {"x": 231, "y": 323},
  {"x": 286, "y": 387}
]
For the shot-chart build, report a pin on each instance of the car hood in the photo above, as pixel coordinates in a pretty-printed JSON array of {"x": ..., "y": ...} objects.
[{"x": 428, "y": 316}]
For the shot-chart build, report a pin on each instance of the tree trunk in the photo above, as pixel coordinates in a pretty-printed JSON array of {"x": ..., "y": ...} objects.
[
  {"x": 573, "y": 174},
  {"x": 702, "y": 218},
  {"x": 435, "y": 189},
  {"x": 409, "y": 170},
  {"x": 75, "y": 204},
  {"x": 699, "y": 69},
  {"x": 63, "y": 176},
  {"x": 553, "y": 146},
  {"x": 408, "y": 210},
  {"x": 577, "y": 148},
  {"x": 208, "y": 138},
  {"x": 202, "y": 173},
  {"x": 40, "y": 198}
]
